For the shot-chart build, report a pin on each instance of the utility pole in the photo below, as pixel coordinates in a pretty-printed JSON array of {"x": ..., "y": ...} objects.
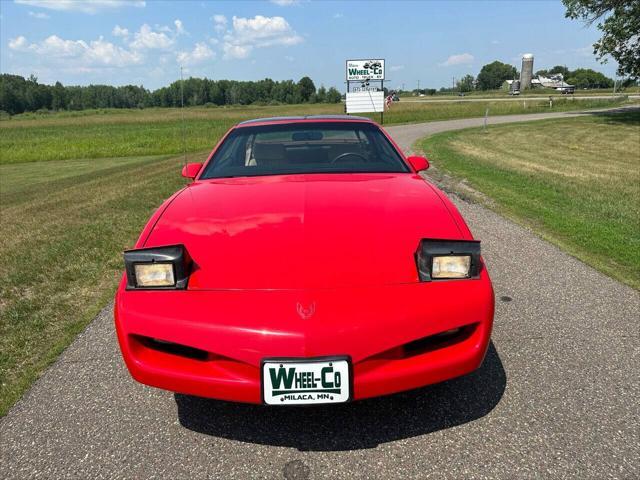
[
  {"x": 184, "y": 133},
  {"x": 418, "y": 86},
  {"x": 453, "y": 85}
]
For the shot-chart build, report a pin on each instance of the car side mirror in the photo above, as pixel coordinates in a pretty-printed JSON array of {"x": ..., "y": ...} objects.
[
  {"x": 190, "y": 170},
  {"x": 418, "y": 163}
]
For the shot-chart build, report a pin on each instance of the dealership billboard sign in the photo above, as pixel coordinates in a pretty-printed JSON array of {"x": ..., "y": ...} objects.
[
  {"x": 362, "y": 102},
  {"x": 361, "y": 70},
  {"x": 365, "y": 86}
]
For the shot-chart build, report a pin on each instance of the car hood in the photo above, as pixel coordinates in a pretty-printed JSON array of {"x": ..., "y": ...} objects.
[{"x": 304, "y": 231}]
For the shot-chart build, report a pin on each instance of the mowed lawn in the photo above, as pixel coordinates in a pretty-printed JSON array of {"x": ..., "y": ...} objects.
[
  {"x": 576, "y": 182},
  {"x": 64, "y": 226}
]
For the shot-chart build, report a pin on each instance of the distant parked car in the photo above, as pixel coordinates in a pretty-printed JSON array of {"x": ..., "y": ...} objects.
[{"x": 514, "y": 92}]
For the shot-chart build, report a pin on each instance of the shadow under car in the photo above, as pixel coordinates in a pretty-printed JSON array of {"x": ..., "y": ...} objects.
[{"x": 352, "y": 426}]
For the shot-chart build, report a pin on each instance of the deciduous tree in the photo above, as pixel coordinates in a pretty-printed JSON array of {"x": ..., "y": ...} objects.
[
  {"x": 619, "y": 22},
  {"x": 465, "y": 84},
  {"x": 493, "y": 75}
]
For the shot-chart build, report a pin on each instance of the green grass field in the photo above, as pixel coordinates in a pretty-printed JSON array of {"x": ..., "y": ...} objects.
[
  {"x": 121, "y": 133},
  {"x": 64, "y": 226},
  {"x": 576, "y": 182},
  {"x": 77, "y": 187}
]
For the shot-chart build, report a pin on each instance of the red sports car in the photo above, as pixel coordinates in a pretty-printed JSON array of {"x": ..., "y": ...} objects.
[{"x": 306, "y": 263}]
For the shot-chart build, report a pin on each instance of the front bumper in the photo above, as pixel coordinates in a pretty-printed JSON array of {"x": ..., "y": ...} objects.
[{"x": 210, "y": 343}]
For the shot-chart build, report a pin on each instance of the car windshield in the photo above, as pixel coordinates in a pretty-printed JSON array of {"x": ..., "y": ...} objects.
[{"x": 323, "y": 147}]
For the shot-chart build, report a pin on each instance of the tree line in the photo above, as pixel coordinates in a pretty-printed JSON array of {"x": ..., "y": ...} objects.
[
  {"x": 19, "y": 94},
  {"x": 493, "y": 75}
]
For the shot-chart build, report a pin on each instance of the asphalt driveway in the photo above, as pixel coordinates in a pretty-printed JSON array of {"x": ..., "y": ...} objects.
[{"x": 556, "y": 397}]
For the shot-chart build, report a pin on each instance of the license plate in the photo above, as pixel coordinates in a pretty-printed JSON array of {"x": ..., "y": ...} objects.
[{"x": 306, "y": 382}]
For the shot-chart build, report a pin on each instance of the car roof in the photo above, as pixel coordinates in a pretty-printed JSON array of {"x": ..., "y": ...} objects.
[{"x": 304, "y": 118}]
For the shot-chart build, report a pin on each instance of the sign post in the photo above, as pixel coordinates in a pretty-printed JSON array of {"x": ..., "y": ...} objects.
[{"x": 362, "y": 96}]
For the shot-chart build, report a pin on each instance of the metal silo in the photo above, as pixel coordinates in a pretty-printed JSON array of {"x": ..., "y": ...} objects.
[{"x": 527, "y": 71}]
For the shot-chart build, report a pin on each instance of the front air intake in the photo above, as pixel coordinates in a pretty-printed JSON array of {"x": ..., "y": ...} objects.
[{"x": 173, "y": 348}]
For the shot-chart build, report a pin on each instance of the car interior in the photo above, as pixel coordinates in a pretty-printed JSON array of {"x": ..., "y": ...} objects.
[{"x": 264, "y": 151}]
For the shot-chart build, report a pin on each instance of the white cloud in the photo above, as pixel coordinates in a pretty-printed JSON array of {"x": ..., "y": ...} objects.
[
  {"x": 18, "y": 43},
  {"x": 395, "y": 68},
  {"x": 495, "y": 42},
  {"x": 54, "y": 46},
  {"x": 92, "y": 7},
  {"x": 236, "y": 51},
  {"x": 108, "y": 54},
  {"x": 118, "y": 31},
  {"x": 200, "y": 53},
  {"x": 285, "y": 3},
  {"x": 289, "y": 58},
  {"x": 264, "y": 31},
  {"x": 257, "y": 32},
  {"x": 338, "y": 15},
  {"x": 39, "y": 15},
  {"x": 179, "y": 27},
  {"x": 220, "y": 22},
  {"x": 460, "y": 59},
  {"x": 80, "y": 54},
  {"x": 146, "y": 38}
]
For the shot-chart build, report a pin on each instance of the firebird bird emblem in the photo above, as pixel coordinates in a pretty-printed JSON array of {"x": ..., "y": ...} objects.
[{"x": 306, "y": 312}]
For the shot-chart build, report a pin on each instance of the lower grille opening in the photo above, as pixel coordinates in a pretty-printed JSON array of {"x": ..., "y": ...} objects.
[
  {"x": 174, "y": 348},
  {"x": 428, "y": 344},
  {"x": 440, "y": 340}
]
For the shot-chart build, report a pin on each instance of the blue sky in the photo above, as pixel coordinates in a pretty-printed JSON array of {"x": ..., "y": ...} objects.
[{"x": 145, "y": 42}]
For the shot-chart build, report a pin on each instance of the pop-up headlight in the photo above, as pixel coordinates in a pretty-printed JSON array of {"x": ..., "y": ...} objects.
[
  {"x": 448, "y": 259},
  {"x": 157, "y": 268}
]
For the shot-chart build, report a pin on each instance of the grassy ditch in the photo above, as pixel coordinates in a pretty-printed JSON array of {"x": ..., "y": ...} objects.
[{"x": 576, "y": 182}]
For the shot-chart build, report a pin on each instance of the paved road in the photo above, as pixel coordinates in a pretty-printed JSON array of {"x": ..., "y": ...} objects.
[
  {"x": 508, "y": 98},
  {"x": 406, "y": 135},
  {"x": 557, "y": 396}
]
